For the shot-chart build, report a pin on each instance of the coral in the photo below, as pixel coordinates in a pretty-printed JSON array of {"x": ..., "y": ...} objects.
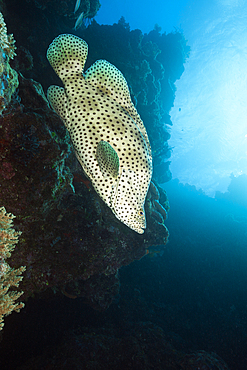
[
  {"x": 7, "y": 42},
  {"x": 158, "y": 205},
  {"x": 9, "y": 236},
  {"x": 9, "y": 277},
  {"x": 8, "y": 76}
]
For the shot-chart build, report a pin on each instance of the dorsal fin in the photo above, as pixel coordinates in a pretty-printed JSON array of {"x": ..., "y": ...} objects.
[{"x": 110, "y": 80}]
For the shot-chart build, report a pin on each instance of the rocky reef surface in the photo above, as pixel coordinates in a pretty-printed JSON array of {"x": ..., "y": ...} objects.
[
  {"x": 71, "y": 242},
  {"x": 140, "y": 346}
]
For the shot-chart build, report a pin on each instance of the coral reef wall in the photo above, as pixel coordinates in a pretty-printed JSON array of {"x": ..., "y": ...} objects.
[
  {"x": 71, "y": 242},
  {"x": 35, "y": 23}
]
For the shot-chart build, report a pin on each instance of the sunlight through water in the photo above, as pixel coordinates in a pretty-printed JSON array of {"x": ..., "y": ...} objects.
[{"x": 209, "y": 132}]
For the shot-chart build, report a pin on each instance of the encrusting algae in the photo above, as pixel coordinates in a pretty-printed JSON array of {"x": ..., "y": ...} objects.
[{"x": 9, "y": 277}]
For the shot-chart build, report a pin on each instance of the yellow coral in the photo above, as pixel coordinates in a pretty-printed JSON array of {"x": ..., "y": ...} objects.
[
  {"x": 9, "y": 277},
  {"x": 8, "y": 236}
]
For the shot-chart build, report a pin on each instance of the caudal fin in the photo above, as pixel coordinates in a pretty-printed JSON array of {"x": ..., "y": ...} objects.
[{"x": 67, "y": 55}]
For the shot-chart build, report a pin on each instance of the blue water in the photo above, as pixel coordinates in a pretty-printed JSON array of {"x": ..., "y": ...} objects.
[
  {"x": 209, "y": 132},
  {"x": 143, "y": 14},
  {"x": 199, "y": 283}
]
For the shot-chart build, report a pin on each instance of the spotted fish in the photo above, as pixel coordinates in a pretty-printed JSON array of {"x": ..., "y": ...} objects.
[{"x": 108, "y": 135}]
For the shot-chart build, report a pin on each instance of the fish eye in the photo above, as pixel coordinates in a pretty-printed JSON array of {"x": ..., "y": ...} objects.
[{"x": 141, "y": 213}]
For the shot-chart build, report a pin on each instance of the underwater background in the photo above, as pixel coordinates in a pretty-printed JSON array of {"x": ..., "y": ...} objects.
[{"x": 98, "y": 295}]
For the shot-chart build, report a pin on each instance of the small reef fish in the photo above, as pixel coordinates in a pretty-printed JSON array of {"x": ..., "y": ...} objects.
[
  {"x": 77, "y": 5},
  {"x": 79, "y": 21},
  {"x": 154, "y": 251},
  {"x": 107, "y": 133}
]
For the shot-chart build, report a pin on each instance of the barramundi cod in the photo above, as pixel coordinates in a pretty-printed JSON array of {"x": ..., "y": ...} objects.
[{"x": 107, "y": 133}]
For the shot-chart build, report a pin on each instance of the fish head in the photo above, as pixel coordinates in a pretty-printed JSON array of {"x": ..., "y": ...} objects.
[{"x": 129, "y": 203}]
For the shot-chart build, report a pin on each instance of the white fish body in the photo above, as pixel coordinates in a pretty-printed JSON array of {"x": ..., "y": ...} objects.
[
  {"x": 79, "y": 21},
  {"x": 77, "y": 5},
  {"x": 108, "y": 135}
]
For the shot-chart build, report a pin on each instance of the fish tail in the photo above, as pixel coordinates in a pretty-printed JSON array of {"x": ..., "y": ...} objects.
[{"x": 67, "y": 55}]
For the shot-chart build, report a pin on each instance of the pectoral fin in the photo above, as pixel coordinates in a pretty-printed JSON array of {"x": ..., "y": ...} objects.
[
  {"x": 58, "y": 101},
  {"x": 107, "y": 159}
]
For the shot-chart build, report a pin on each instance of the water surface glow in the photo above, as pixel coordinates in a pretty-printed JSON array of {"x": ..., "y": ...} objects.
[{"x": 210, "y": 111}]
